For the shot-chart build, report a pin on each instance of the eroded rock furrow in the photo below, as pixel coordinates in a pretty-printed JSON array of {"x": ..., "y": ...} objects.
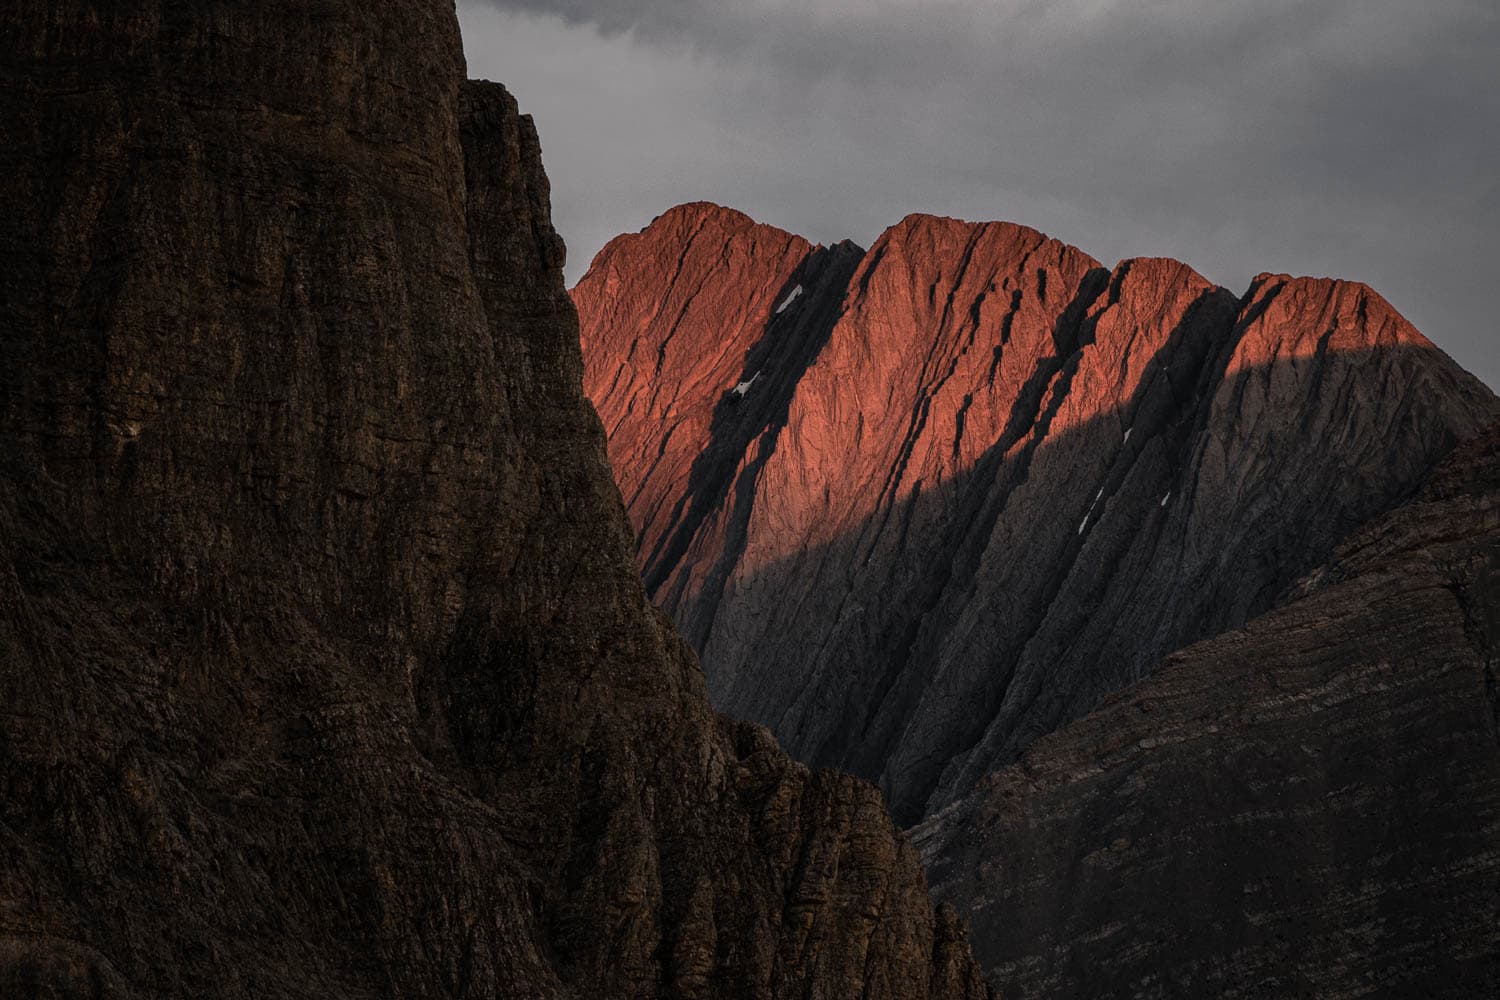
[{"x": 1009, "y": 481}]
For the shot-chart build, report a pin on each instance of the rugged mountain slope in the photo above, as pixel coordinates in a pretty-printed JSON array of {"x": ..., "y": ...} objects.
[
  {"x": 994, "y": 484},
  {"x": 676, "y": 436},
  {"x": 324, "y": 667},
  {"x": 1309, "y": 806}
]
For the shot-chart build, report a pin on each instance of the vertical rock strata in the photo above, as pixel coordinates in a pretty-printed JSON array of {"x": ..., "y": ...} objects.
[
  {"x": 324, "y": 667},
  {"x": 995, "y": 482},
  {"x": 1309, "y": 806}
]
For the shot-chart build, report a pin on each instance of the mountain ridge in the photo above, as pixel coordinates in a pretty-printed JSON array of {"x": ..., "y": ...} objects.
[
  {"x": 693, "y": 211},
  {"x": 956, "y": 352}
]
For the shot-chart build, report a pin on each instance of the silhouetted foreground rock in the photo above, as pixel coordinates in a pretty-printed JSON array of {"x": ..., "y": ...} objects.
[
  {"x": 963, "y": 487},
  {"x": 1309, "y": 806},
  {"x": 324, "y": 667}
]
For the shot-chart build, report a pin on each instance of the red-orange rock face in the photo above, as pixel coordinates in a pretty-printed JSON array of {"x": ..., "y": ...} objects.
[
  {"x": 976, "y": 481},
  {"x": 722, "y": 274}
]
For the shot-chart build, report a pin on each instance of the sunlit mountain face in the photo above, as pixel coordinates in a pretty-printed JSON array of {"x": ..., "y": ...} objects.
[
  {"x": 1352, "y": 138},
  {"x": 943, "y": 612},
  {"x": 917, "y": 506}
]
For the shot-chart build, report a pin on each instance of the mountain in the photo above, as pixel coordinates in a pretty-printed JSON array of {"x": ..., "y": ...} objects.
[
  {"x": 919, "y": 506},
  {"x": 1308, "y": 806},
  {"x": 325, "y": 670}
]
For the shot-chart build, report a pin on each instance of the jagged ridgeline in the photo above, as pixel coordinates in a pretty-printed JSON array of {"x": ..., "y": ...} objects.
[
  {"x": 920, "y": 507},
  {"x": 324, "y": 667},
  {"x": 979, "y": 481}
]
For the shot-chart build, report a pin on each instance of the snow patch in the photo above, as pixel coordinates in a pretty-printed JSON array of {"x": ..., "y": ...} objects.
[
  {"x": 1128, "y": 432},
  {"x": 1097, "y": 497},
  {"x": 1166, "y": 498},
  {"x": 789, "y": 300},
  {"x": 744, "y": 387}
]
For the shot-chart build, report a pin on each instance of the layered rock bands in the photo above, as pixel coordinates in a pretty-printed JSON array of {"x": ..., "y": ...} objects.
[
  {"x": 919, "y": 506},
  {"x": 325, "y": 670},
  {"x": 948, "y": 517}
]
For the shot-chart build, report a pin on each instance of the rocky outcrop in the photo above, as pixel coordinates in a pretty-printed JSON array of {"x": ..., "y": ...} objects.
[
  {"x": 1309, "y": 806},
  {"x": 995, "y": 483},
  {"x": 324, "y": 667},
  {"x": 754, "y": 306}
]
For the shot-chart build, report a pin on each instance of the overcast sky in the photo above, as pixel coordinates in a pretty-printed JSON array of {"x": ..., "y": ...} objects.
[{"x": 1349, "y": 138}]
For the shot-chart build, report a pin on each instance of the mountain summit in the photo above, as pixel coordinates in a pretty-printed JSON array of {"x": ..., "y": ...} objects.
[
  {"x": 953, "y": 513},
  {"x": 918, "y": 506}
]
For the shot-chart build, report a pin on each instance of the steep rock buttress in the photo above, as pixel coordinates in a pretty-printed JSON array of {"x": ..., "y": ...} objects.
[{"x": 324, "y": 666}]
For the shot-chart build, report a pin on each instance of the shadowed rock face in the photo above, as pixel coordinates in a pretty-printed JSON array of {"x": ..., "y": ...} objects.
[
  {"x": 992, "y": 484},
  {"x": 324, "y": 667},
  {"x": 1309, "y": 806}
]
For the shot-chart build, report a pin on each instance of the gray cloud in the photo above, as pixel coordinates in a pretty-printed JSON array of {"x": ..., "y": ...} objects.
[{"x": 1354, "y": 138}]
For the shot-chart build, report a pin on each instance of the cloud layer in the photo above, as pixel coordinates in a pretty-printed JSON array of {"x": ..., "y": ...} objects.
[{"x": 1354, "y": 138}]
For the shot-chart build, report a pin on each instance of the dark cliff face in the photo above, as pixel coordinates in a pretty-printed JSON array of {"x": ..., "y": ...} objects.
[
  {"x": 991, "y": 481},
  {"x": 1309, "y": 806},
  {"x": 324, "y": 666}
]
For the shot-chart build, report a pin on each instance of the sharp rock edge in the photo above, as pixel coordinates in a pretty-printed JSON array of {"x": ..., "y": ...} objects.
[{"x": 324, "y": 668}]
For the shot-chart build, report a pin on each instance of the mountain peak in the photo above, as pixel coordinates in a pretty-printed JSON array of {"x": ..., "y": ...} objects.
[
  {"x": 995, "y": 481},
  {"x": 698, "y": 230},
  {"x": 701, "y": 212},
  {"x": 1292, "y": 317}
]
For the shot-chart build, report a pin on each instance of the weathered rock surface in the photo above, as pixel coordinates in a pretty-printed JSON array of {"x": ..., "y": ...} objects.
[
  {"x": 1309, "y": 806},
  {"x": 324, "y": 667},
  {"x": 996, "y": 482},
  {"x": 677, "y": 437}
]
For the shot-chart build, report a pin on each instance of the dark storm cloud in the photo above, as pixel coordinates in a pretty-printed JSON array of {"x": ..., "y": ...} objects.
[{"x": 1346, "y": 137}]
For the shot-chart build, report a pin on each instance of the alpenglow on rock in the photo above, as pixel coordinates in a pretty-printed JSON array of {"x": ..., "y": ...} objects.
[
  {"x": 325, "y": 670},
  {"x": 982, "y": 481}
]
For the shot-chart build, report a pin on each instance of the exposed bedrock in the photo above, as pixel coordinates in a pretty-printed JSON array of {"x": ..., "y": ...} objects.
[
  {"x": 1308, "y": 806},
  {"x": 325, "y": 670},
  {"x": 960, "y": 488}
]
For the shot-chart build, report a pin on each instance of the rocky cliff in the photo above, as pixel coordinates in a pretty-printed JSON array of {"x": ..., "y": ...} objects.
[
  {"x": 324, "y": 667},
  {"x": 958, "y": 489},
  {"x": 1309, "y": 806}
]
